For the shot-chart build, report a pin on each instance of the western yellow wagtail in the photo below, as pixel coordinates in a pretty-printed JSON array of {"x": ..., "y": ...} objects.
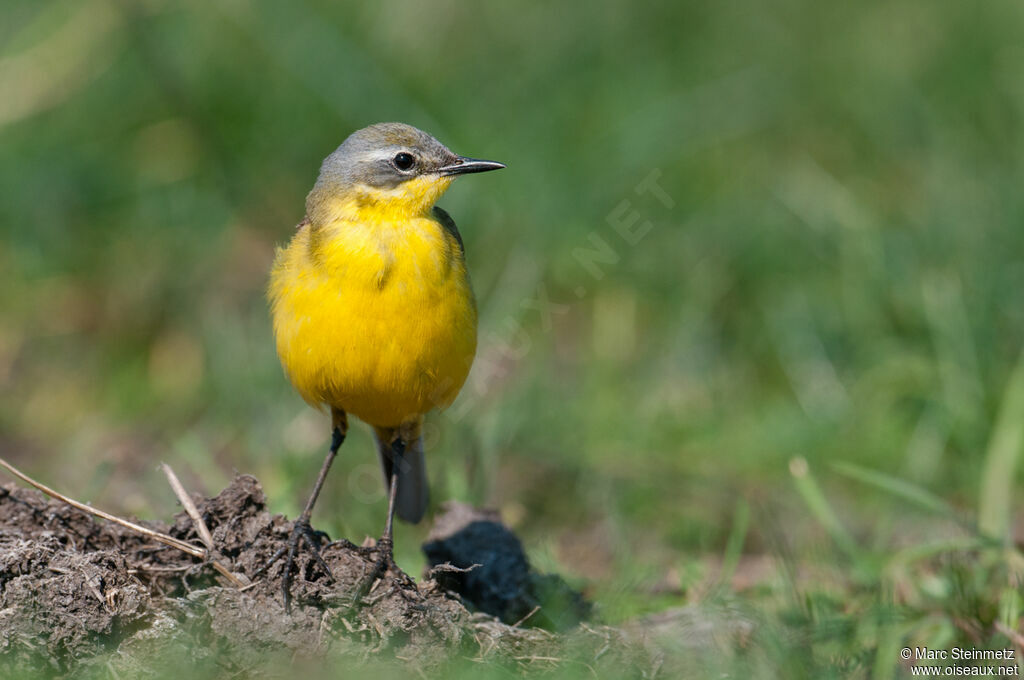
[{"x": 372, "y": 308}]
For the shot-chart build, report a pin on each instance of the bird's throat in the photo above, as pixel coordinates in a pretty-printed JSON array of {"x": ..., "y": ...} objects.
[{"x": 373, "y": 205}]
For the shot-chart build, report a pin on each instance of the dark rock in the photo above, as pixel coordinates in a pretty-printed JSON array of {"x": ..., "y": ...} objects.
[{"x": 492, "y": 573}]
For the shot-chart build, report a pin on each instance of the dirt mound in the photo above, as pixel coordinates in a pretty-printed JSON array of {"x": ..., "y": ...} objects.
[{"x": 72, "y": 588}]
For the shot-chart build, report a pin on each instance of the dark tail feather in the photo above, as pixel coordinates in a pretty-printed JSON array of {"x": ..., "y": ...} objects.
[{"x": 413, "y": 492}]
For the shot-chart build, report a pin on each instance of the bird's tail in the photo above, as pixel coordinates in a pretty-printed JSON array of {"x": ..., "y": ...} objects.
[{"x": 413, "y": 493}]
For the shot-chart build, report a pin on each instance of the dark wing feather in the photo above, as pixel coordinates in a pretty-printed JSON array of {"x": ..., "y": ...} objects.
[{"x": 449, "y": 225}]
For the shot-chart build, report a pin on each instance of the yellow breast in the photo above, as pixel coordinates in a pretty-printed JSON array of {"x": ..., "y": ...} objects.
[{"x": 374, "y": 316}]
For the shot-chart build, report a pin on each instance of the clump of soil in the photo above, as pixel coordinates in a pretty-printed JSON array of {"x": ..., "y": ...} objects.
[
  {"x": 73, "y": 589},
  {"x": 492, "y": 573}
]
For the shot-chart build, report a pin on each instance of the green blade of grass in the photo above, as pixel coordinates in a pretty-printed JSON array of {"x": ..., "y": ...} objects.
[
  {"x": 1000, "y": 467},
  {"x": 734, "y": 546},
  {"x": 812, "y": 495},
  {"x": 927, "y": 551},
  {"x": 889, "y": 642},
  {"x": 898, "y": 487}
]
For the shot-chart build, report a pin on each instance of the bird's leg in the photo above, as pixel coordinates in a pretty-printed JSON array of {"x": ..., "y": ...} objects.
[
  {"x": 386, "y": 541},
  {"x": 385, "y": 546},
  {"x": 302, "y": 531}
]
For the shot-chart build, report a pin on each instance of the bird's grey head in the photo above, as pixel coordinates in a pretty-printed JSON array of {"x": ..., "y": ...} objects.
[{"x": 386, "y": 155}]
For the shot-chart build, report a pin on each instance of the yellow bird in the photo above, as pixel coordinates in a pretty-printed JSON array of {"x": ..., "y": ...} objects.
[{"x": 372, "y": 308}]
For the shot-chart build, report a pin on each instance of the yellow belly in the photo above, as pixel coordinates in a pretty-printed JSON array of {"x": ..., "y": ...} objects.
[{"x": 376, "y": 320}]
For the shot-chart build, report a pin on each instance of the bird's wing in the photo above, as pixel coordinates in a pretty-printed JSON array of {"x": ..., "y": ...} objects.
[{"x": 449, "y": 225}]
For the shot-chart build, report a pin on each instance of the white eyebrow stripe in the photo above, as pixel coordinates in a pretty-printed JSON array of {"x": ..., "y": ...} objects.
[{"x": 387, "y": 154}]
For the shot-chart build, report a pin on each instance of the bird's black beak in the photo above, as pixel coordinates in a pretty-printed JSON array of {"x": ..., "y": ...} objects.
[{"x": 464, "y": 166}]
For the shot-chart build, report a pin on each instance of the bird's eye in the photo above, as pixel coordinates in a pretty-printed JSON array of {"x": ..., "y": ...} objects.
[{"x": 404, "y": 161}]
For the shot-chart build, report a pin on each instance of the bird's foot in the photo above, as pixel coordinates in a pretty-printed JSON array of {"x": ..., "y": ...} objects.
[
  {"x": 384, "y": 568},
  {"x": 302, "y": 532}
]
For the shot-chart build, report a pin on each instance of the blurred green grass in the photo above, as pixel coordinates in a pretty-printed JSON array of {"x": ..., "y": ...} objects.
[{"x": 837, "y": 280}]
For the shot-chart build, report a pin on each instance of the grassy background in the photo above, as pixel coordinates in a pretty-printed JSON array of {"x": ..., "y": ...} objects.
[{"x": 837, "y": 282}]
